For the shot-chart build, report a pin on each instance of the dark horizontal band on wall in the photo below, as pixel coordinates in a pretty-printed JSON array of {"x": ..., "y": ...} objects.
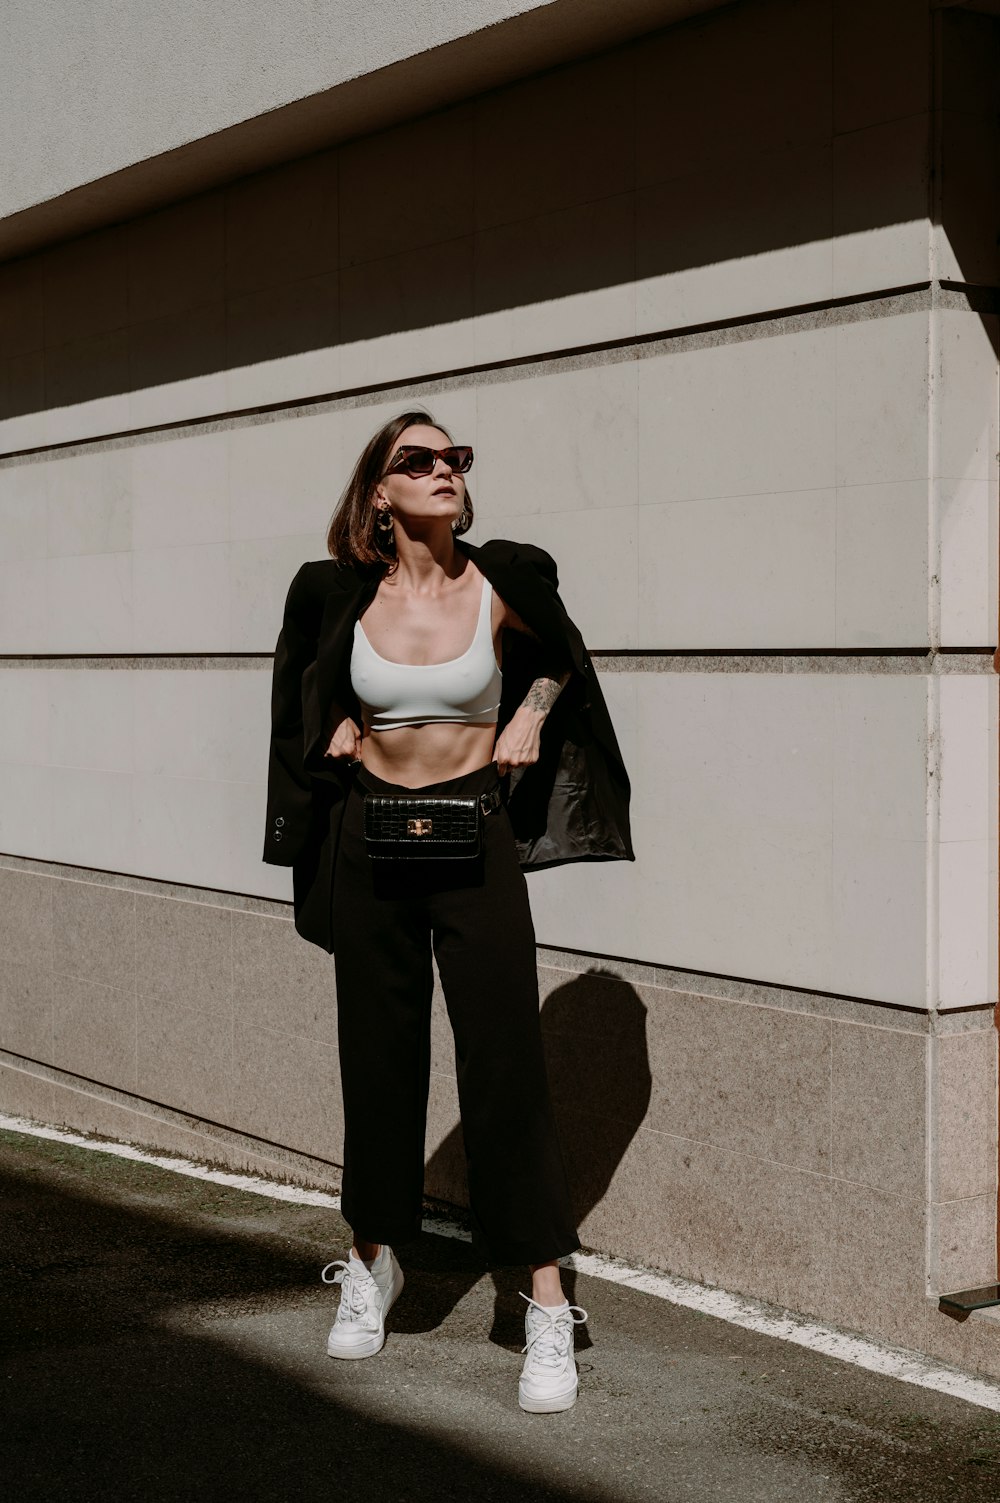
[
  {"x": 606, "y": 660},
  {"x": 811, "y": 660},
  {"x": 793, "y": 318},
  {"x": 717, "y": 984}
]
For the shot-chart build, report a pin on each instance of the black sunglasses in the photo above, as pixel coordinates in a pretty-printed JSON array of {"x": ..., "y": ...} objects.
[{"x": 415, "y": 459}]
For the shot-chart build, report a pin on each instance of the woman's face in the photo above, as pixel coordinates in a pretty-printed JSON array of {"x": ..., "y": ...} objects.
[{"x": 416, "y": 499}]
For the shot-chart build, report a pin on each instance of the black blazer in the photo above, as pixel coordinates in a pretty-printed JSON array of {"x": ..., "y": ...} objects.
[{"x": 570, "y": 805}]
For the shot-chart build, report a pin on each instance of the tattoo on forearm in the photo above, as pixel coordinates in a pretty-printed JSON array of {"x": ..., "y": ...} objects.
[{"x": 544, "y": 692}]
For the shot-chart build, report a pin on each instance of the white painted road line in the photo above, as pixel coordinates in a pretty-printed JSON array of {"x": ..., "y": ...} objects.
[
  {"x": 250, "y": 1182},
  {"x": 892, "y": 1362}
]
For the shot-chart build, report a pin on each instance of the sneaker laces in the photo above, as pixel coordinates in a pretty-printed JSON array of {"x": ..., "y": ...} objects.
[
  {"x": 360, "y": 1296},
  {"x": 550, "y": 1340}
]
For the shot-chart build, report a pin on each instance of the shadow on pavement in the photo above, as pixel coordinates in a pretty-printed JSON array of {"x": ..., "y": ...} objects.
[{"x": 133, "y": 1367}]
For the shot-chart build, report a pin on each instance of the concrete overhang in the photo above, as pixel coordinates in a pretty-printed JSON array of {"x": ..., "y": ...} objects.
[{"x": 541, "y": 36}]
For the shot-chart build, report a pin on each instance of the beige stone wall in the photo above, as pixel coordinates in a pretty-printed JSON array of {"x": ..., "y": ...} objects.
[
  {"x": 831, "y": 1157},
  {"x": 724, "y": 340}
]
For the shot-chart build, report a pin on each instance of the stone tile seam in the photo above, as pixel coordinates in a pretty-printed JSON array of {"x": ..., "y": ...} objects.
[
  {"x": 830, "y": 1142},
  {"x": 159, "y": 1111},
  {"x": 764, "y": 1004},
  {"x": 770, "y": 1001},
  {"x": 59, "y": 1076},
  {"x": 878, "y": 661},
  {"x": 989, "y": 1193},
  {"x": 737, "y": 329},
  {"x": 222, "y": 1013},
  {"x": 822, "y": 1177},
  {"x": 761, "y": 993},
  {"x": 151, "y": 887},
  {"x": 329, "y": 1045},
  {"x": 105, "y": 986},
  {"x": 134, "y": 936}
]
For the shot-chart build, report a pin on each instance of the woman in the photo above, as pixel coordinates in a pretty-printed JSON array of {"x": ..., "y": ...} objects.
[{"x": 388, "y": 684}]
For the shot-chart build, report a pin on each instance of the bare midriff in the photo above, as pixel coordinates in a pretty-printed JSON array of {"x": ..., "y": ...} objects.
[
  {"x": 434, "y": 751},
  {"x": 415, "y": 755}
]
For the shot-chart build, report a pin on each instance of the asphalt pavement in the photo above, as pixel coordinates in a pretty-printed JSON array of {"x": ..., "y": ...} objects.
[{"x": 165, "y": 1338}]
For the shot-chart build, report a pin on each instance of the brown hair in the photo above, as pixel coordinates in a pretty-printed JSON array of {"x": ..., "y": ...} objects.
[{"x": 352, "y": 535}]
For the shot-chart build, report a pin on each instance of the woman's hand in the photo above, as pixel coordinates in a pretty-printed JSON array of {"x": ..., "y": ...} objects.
[
  {"x": 345, "y": 741},
  {"x": 520, "y": 741}
]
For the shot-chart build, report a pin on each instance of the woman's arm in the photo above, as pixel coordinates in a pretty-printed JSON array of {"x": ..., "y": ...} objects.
[
  {"x": 519, "y": 743},
  {"x": 544, "y": 692}
]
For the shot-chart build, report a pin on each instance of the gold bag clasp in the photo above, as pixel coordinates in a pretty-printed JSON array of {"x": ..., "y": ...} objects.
[{"x": 419, "y": 826}]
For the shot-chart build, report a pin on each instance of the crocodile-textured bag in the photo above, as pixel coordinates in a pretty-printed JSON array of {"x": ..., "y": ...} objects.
[{"x": 435, "y": 826}]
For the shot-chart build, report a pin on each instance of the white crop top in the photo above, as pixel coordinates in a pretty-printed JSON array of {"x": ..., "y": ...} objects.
[{"x": 462, "y": 689}]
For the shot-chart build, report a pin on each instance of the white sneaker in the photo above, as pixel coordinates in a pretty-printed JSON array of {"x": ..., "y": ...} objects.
[
  {"x": 548, "y": 1379},
  {"x": 365, "y": 1300}
]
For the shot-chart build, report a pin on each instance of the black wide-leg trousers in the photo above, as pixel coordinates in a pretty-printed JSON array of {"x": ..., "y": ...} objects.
[{"x": 475, "y": 914}]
